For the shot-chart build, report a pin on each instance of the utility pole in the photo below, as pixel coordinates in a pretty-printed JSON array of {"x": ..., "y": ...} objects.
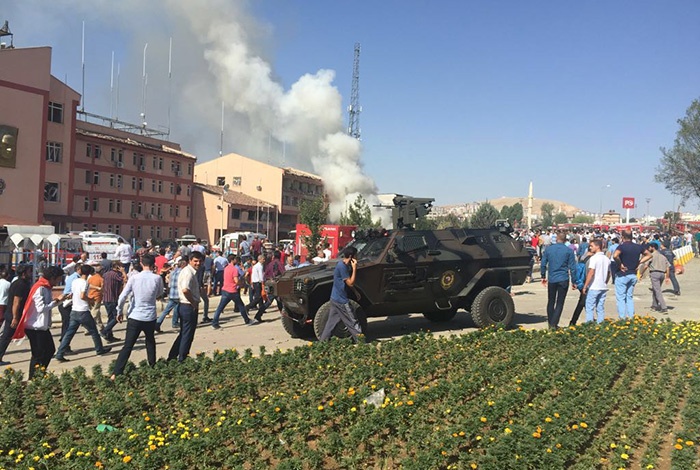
[{"x": 355, "y": 109}]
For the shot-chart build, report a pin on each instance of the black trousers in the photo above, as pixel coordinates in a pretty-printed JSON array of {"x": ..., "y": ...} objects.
[
  {"x": 41, "y": 343},
  {"x": 183, "y": 342},
  {"x": 556, "y": 294},
  {"x": 579, "y": 308},
  {"x": 7, "y": 332},
  {"x": 133, "y": 330},
  {"x": 65, "y": 317}
]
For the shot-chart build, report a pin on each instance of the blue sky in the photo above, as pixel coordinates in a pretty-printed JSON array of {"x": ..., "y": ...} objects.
[{"x": 462, "y": 101}]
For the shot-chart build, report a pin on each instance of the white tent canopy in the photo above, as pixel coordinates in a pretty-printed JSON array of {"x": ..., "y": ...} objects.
[{"x": 35, "y": 233}]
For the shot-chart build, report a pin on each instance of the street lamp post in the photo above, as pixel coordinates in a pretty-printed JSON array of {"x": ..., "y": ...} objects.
[
  {"x": 223, "y": 211},
  {"x": 602, "y": 188},
  {"x": 257, "y": 210},
  {"x": 648, "y": 201}
]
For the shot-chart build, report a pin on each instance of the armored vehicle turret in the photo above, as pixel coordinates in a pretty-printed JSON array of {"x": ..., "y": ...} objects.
[{"x": 403, "y": 270}]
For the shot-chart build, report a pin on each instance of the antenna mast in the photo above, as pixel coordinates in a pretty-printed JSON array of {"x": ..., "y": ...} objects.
[{"x": 355, "y": 109}]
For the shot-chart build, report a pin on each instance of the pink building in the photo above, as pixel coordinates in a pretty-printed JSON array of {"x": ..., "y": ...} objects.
[{"x": 77, "y": 175}]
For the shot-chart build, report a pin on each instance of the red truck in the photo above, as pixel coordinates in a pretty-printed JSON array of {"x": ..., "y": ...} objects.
[{"x": 337, "y": 236}]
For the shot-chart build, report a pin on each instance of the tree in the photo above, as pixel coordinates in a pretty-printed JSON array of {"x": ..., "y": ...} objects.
[
  {"x": 547, "y": 211},
  {"x": 582, "y": 219},
  {"x": 424, "y": 223},
  {"x": 560, "y": 218},
  {"x": 516, "y": 213},
  {"x": 485, "y": 216},
  {"x": 313, "y": 213},
  {"x": 448, "y": 221},
  {"x": 505, "y": 212},
  {"x": 679, "y": 170},
  {"x": 359, "y": 214}
]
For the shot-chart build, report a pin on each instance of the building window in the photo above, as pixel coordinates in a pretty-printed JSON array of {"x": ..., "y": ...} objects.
[
  {"x": 187, "y": 212},
  {"x": 113, "y": 155},
  {"x": 133, "y": 182},
  {"x": 118, "y": 229},
  {"x": 110, "y": 228},
  {"x": 160, "y": 163},
  {"x": 158, "y": 232},
  {"x": 88, "y": 177},
  {"x": 119, "y": 181},
  {"x": 136, "y": 159},
  {"x": 140, "y": 184},
  {"x": 176, "y": 233},
  {"x": 170, "y": 232},
  {"x": 159, "y": 210},
  {"x": 138, "y": 231},
  {"x": 235, "y": 214},
  {"x": 97, "y": 150},
  {"x": 118, "y": 206},
  {"x": 189, "y": 168},
  {"x": 155, "y": 162},
  {"x": 177, "y": 211},
  {"x": 188, "y": 190},
  {"x": 54, "y": 150},
  {"x": 172, "y": 188},
  {"x": 95, "y": 204},
  {"x": 88, "y": 151},
  {"x": 96, "y": 177},
  {"x": 131, "y": 231},
  {"x": 295, "y": 201},
  {"x": 110, "y": 205},
  {"x": 139, "y": 208},
  {"x": 55, "y": 112},
  {"x": 160, "y": 186},
  {"x": 170, "y": 210},
  {"x": 51, "y": 192},
  {"x": 220, "y": 180},
  {"x": 236, "y": 181},
  {"x": 86, "y": 205},
  {"x": 154, "y": 186},
  {"x": 112, "y": 180},
  {"x": 251, "y": 215}
]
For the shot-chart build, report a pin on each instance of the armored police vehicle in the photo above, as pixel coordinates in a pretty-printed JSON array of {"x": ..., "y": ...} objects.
[{"x": 402, "y": 271}]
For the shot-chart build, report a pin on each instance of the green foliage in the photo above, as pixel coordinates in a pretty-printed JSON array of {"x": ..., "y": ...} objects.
[
  {"x": 485, "y": 216},
  {"x": 448, "y": 221},
  {"x": 582, "y": 219},
  {"x": 513, "y": 213},
  {"x": 313, "y": 213},
  {"x": 679, "y": 170},
  {"x": 490, "y": 399},
  {"x": 547, "y": 211},
  {"x": 424, "y": 223},
  {"x": 561, "y": 218},
  {"x": 359, "y": 214}
]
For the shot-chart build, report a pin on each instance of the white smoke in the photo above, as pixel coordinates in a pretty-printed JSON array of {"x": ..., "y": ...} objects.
[{"x": 220, "y": 53}]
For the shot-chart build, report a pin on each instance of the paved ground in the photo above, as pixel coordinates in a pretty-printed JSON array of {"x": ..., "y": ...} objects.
[{"x": 530, "y": 303}]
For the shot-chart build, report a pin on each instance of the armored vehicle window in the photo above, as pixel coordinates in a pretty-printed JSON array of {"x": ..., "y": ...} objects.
[{"x": 371, "y": 248}]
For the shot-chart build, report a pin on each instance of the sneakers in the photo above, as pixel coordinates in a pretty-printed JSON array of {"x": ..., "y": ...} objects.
[
  {"x": 61, "y": 359},
  {"x": 112, "y": 339},
  {"x": 254, "y": 321},
  {"x": 103, "y": 351},
  {"x": 215, "y": 326},
  {"x": 206, "y": 320}
]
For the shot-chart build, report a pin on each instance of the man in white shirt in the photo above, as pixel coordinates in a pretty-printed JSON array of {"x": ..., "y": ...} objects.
[
  {"x": 80, "y": 315},
  {"x": 147, "y": 287},
  {"x": 124, "y": 253},
  {"x": 596, "y": 284},
  {"x": 190, "y": 296},
  {"x": 257, "y": 277},
  {"x": 4, "y": 291}
]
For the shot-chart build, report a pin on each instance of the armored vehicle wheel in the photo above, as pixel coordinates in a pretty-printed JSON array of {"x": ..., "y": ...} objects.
[
  {"x": 340, "y": 330},
  {"x": 440, "y": 316},
  {"x": 492, "y": 306},
  {"x": 296, "y": 329}
]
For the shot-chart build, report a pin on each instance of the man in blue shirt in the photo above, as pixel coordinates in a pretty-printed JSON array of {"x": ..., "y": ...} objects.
[
  {"x": 558, "y": 267},
  {"x": 627, "y": 259},
  {"x": 344, "y": 275}
]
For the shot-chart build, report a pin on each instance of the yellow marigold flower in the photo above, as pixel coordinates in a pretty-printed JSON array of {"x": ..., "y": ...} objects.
[
  {"x": 575, "y": 426},
  {"x": 583, "y": 425},
  {"x": 613, "y": 445},
  {"x": 678, "y": 446},
  {"x": 483, "y": 419},
  {"x": 689, "y": 443},
  {"x": 556, "y": 415},
  {"x": 624, "y": 456},
  {"x": 549, "y": 450},
  {"x": 126, "y": 459},
  {"x": 98, "y": 464},
  {"x": 320, "y": 408},
  {"x": 473, "y": 466},
  {"x": 548, "y": 419},
  {"x": 536, "y": 435},
  {"x": 508, "y": 431}
]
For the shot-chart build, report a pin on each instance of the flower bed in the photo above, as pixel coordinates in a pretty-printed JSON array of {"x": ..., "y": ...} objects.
[{"x": 619, "y": 395}]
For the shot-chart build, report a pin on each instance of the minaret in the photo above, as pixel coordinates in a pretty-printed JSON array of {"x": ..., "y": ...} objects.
[{"x": 529, "y": 208}]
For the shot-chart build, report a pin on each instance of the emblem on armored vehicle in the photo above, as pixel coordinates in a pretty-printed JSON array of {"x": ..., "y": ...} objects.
[{"x": 447, "y": 279}]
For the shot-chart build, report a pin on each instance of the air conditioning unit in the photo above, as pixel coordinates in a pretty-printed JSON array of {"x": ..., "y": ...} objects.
[
  {"x": 120, "y": 164},
  {"x": 142, "y": 168},
  {"x": 134, "y": 215}
]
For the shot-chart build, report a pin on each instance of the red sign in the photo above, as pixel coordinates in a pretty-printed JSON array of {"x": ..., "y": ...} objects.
[{"x": 628, "y": 203}]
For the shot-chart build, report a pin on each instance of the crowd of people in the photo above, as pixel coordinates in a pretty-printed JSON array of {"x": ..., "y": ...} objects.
[
  {"x": 588, "y": 261},
  {"x": 129, "y": 288}
]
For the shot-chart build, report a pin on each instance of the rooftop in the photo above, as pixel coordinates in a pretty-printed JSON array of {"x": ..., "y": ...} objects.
[{"x": 233, "y": 197}]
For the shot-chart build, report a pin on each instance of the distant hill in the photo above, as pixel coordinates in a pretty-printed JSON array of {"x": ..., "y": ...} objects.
[{"x": 498, "y": 203}]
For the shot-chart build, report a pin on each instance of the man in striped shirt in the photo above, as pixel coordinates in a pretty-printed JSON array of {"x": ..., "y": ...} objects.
[{"x": 111, "y": 288}]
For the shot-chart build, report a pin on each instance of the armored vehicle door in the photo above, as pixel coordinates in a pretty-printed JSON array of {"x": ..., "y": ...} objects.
[{"x": 405, "y": 276}]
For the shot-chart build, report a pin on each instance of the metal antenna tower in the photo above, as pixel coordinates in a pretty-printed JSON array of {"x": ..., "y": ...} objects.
[{"x": 355, "y": 109}]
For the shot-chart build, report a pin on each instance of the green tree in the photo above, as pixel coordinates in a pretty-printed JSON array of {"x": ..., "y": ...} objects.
[
  {"x": 679, "y": 170},
  {"x": 313, "y": 213},
  {"x": 547, "y": 211},
  {"x": 516, "y": 213},
  {"x": 485, "y": 216},
  {"x": 359, "y": 214},
  {"x": 582, "y": 219},
  {"x": 505, "y": 213},
  {"x": 424, "y": 223},
  {"x": 448, "y": 221},
  {"x": 560, "y": 218}
]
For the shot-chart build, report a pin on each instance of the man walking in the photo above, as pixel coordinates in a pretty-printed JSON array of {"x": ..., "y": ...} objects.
[
  {"x": 343, "y": 275},
  {"x": 231, "y": 291},
  {"x": 596, "y": 285},
  {"x": 173, "y": 296},
  {"x": 147, "y": 286},
  {"x": 220, "y": 264},
  {"x": 111, "y": 289},
  {"x": 627, "y": 257},
  {"x": 189, "y": 291},
  {"x": 558, "y": 267},
  {"x": 658, "y": 271},
  {"x": 671, "y": 257},
  {"x": 124, "y": 253},
  {"x": 257, "y": 278},
  {"x": 16, "y": 298}
]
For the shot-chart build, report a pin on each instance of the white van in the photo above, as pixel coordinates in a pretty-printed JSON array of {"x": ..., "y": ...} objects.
[
  {"x": 229, "y": 242},
  {"x": 96, "y": 243}
]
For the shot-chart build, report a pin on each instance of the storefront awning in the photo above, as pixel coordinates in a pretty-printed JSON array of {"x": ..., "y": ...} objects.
[{"x": 35, "y": 233}]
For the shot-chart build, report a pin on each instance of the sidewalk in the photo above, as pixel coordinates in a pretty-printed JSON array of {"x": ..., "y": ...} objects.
[{"x": 530, "y": 306}]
